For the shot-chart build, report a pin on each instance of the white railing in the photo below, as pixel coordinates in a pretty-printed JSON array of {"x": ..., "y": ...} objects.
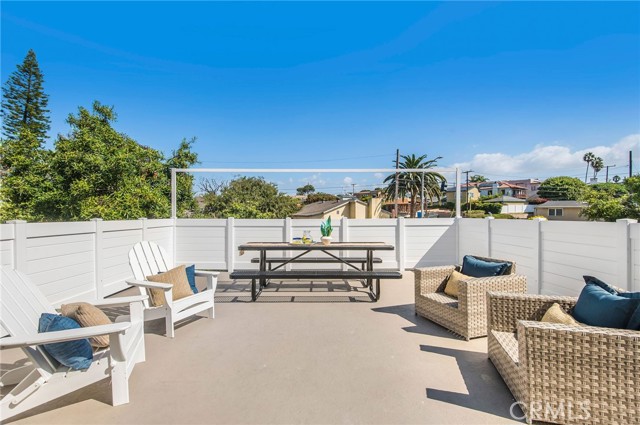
[{"x": 84, "y": 260}]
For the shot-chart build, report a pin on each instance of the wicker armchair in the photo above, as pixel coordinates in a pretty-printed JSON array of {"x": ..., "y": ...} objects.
[
  {"x": 466, "y": 315},
  {"x": 563, "y": 374}
]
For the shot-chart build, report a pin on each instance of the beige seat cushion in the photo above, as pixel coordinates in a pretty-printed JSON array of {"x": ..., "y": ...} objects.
[
  {"x": 555, "y": 314},
  {"x": 451, "y": 288},
  {"x": 88, "y": 315},
  {"x": 176, "y": 277},
  {"x": 442, "y": 298}
]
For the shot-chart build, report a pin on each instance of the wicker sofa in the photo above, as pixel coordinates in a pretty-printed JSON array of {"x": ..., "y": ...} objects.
[
  {"x": 569, "y": 374},
  {"x": 467, "y": 314}
]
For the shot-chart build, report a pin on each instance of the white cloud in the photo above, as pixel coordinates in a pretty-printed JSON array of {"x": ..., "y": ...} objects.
[
  {"x": 552, "y": 160},
  {"x": 378, "y": 176},
  {"x": 347, "y": 180}
]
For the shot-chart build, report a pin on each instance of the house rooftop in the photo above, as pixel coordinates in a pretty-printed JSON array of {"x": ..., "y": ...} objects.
[
  {"x": 322, "y": 207},
  {"x": 562, "y": 204}
]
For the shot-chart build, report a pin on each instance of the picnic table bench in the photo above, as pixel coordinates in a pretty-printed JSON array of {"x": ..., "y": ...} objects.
[{"x": 260, "y": 278}]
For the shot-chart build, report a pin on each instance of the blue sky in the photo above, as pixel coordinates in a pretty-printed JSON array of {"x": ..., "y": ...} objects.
[{"x": 518, "y": 89}]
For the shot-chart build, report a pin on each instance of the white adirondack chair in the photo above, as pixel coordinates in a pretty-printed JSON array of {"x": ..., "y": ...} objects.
[
  {"x": 21, "y": 304},
  {"x": 148, "y": 258}
]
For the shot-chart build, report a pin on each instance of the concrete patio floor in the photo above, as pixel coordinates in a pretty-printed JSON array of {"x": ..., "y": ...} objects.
[{"x": 326, "y": 355}]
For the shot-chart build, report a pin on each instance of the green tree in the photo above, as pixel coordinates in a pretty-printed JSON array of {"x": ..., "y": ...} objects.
[
  {"x": 612, "y": 201},
  {"x": 183, "y": 157},
  {"x": 103, "y": 173},
  {"x": 477, "y": 178},
  {"x": 597, "y": 165},
  {"x": 251, "y": 197},
  {"x": 26, "y": 185},
  {"x": 410, "y": 183},
  {"x": 306, "y": 189},
  {"x": 24, "y": 103},
  {"x": 562, "y": 188},
  {"x": 588, "y": 158},
  {"x": 320, "y": 196}
]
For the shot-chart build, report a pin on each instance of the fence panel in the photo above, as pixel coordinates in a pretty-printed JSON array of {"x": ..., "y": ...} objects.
[
  {"x": 473, "y": 237},
  {"x": 7, "y": 242},
  {"x": 573, "y": 249},
  {"x": 202, "y": 242},
  {"x": 429, "y": 242},
  {"x": 518, "y": 241}
]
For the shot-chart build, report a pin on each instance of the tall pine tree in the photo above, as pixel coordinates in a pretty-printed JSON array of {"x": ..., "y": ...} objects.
[{"x": 24, "y": 103}]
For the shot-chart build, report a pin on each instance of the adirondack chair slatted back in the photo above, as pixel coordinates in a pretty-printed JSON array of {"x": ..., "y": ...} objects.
[
  {"x": 148, "y": 258},
  {"x": 21, "y": 305}
]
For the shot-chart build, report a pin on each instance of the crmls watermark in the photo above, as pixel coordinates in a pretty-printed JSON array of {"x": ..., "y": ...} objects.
[{"x": 547, "y": 411}]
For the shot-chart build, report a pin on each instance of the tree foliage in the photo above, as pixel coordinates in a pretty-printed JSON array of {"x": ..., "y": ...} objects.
[
  {"x": 410, "y": 183},
  {"x": 477, "y": 178},
  {"x": 103, "y": 173},
  {"x": 306, "y": 189},
  {"x": 251, "y": 197},
  {"x": 613, "y": 201},
  {"x": 562, "y": 188},
  {"x": 183, "y": 157},
  {"x": 26, "y": 190},
  {"x": 24, "y": 102},
  {"x": 320, "y": 196}
]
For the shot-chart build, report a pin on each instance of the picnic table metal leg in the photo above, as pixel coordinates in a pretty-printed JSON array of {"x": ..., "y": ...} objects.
[
  {"x": 263, "y": 267},
  {"x": 377, "y": 289},
  {"x": 253, "y": 290},
  {"x": 370, "y": 267}
]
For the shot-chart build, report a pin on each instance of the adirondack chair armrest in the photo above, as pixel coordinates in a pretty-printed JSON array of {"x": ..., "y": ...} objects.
[
  {"x": 207, "y": 273},
  {"x": 212, "y": 278},
  {"x": 113, "y": 329},
  {"x": 110, "y": 302},
  {"x": 147, "y": 284}
]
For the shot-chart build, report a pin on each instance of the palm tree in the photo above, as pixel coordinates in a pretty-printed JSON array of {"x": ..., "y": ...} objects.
[
  {"x": 588, "y": 158},
  {"x": 410, "y": 183},
  {"x": 597, "y": 165}
]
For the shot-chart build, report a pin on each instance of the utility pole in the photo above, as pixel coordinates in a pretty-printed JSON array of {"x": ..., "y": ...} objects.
[
  {"x": 607, "y": 172},
  {"x": 630, "y": 164},
  {"x": 397, "y": 180},
  {"x": 468, "y": 203},
  {"x": 353, "y": 189}
]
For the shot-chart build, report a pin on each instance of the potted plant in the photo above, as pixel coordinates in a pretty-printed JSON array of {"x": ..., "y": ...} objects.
[{"x": 326, "y": 229}]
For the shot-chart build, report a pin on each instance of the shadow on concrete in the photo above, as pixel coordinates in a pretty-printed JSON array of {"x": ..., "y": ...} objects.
[
  {"x": 420, "y": 324},
  {"x": 487, "y": 392},
  {"x": 295, "y": 291}
]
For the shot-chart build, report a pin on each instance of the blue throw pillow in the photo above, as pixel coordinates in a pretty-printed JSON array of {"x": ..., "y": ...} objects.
[
  {"x": 590, "y": 280},
  {"x": 191, "y": 276},
  {"x": 74, "y": 354},
  {"x": 598, "y": 307},
  {"x": 475, "y": 267},
  {"x": 634, "y": 320}
]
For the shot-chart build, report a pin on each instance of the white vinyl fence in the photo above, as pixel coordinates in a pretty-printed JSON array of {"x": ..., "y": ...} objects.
[{"x": 87, "y": 260}]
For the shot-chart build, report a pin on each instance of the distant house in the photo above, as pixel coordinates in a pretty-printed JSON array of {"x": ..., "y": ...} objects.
[
  {"x": 502, "y": 188},
  {"x": 531, "y": 185},
  {"x": 350, "y": 208},
  {"x": 510, "y": 205},
  {"x": 561, "y": 210},
  {"x": 474, "y": 193}
]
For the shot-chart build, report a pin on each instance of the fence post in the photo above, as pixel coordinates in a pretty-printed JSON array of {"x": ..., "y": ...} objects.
[
  {"x": 230, "y": 244},
  {"x": 20, "y": 245},
  {"x": 456, "y": 223},
  {"x": 400, "y": 248},
  {"x": 537, "y": 249},
  {"x": 288, "y": 237},
  {"x": 144, "y": 227},
  {"x": 489, "y": 241},
  {"x": 344, "y": 237},
  {"x": 623, "y": 237},
  {"x": 98, "y": 263}
]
